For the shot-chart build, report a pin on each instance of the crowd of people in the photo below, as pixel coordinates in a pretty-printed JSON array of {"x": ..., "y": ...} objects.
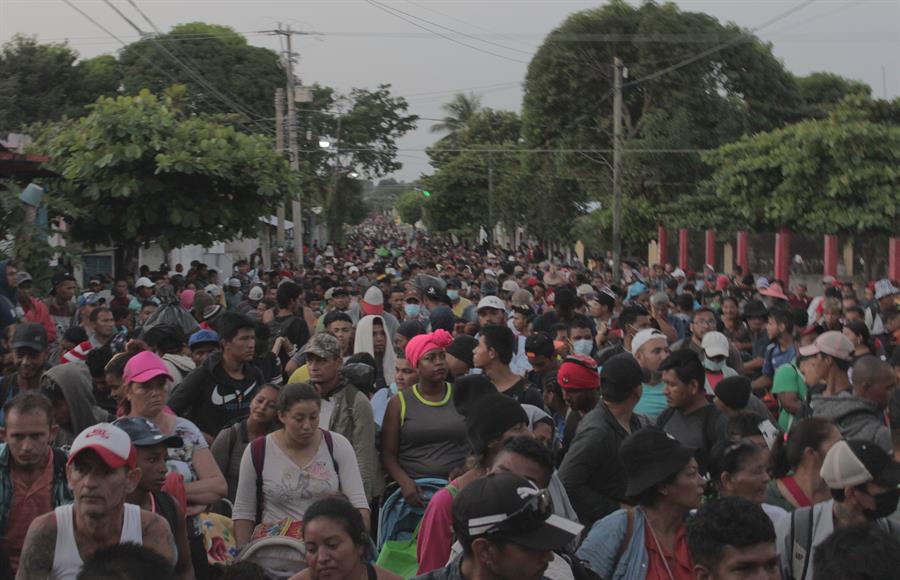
[{"x": 401, "y": 406}]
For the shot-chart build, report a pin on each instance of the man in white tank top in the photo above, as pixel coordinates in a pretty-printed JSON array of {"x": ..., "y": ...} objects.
[{"x": 101, "y": 472}]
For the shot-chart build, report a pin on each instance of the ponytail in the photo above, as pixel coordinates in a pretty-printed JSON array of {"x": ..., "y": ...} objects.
[{"x": 787, "y": 452}]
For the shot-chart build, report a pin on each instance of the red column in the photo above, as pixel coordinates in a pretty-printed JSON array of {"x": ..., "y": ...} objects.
[
  {"x": 742, "y": 251},
  {"x": 663, "y": 240},
  {"x": 831, "y": 255},
  {"x": 683, "y": 249},
  {"x": 894, "y": 258},
  {"x": 710, "y": 246},
  {"x": 783, "y": 256}
]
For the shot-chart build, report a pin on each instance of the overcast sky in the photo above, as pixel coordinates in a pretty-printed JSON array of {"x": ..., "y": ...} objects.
[{"x": 361, "y": 45}]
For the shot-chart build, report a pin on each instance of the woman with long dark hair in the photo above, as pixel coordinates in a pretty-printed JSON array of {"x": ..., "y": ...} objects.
[
  {"x": 337, "y": 544},
  {"x": 796, "y": 460}
]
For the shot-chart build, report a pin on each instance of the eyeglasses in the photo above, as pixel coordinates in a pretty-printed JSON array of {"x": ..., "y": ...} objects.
[{"x": 704, "y": 322}]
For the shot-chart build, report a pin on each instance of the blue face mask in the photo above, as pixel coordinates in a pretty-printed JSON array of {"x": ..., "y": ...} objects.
[
  {"x": 412, "y": 310},
  {"x": 453, "y": 295},
  {"x": 714, "y": 366},
  {"x": 583, "y": 346}
]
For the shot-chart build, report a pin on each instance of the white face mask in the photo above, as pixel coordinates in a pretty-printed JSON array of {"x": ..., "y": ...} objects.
[
  {"x": 453, "y": 294},
  {"x": 713, "y": 366},
  {"x": 583, "y": 346}
]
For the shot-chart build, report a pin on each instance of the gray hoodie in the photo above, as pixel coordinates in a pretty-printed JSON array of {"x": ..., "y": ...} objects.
[
  {"x": 855, "y": 417},
  {"x": 74, "y": 381}
]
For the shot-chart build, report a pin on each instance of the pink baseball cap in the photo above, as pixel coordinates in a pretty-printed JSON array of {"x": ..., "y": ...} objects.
[
  {"x": 832, "y": 343},
  {"x": 187, "y": 299},
  {"x": 111, "y": 443},
  {"x": 143, "y": 367}
]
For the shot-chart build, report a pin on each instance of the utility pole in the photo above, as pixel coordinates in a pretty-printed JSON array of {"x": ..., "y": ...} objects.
[
  {"x": 491, "y": 199},
  {"x": 279, "y": 147},
  {"x": 335, "y": 169},
  {"x": 617, "y": 165},
  {"x": 296, "y": 208},
  {"x": 293, "y": 145}
]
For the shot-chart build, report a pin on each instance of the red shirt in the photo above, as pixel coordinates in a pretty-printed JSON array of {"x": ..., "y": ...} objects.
[
  {"x": 28, "y": 503},
  {"x": 37, "y": 312},
  {"x": 680, "y": 563}
]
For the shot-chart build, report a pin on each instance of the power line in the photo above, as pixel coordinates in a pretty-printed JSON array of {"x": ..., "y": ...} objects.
[
  {"x": 231, "y": 99},
  {"x": 94, "y": 22},
  {"x": 142, "y": 57},
  {"x": 144, "y": 16},
  {"x": 464, "y": 89},
  {"x": 228, "y": 101},
  {"x": 392, "y": 12},
  {"x": 743, "y": 37},
  {"x": 815, "y": 17},
  {"x": 153, "y": 64},
  {"x": 475, "y": 26},
  {"x": 463, "y": 34}
]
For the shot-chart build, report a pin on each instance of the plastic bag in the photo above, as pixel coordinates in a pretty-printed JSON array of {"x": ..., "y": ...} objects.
[{"x": 173, "y": 315}]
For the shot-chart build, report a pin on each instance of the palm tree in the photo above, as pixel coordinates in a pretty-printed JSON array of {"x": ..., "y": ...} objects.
[{"x": 459, "y": 111}]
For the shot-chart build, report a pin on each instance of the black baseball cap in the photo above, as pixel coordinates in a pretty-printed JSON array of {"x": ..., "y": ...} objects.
[
  {"x": 30, "y": 335},
  {"x": 145, "y": 433},
  {"x": 540, "y": 344},
  {"x": 509, "y": 508},
  {"x": 435, "y": 292},
  {"x": 463, "y": 348},
  {"x": 61, "y": 277},
  {"x": 755, "y": 309}
]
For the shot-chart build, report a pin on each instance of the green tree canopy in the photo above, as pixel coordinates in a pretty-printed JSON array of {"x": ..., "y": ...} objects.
[
  {"x": 247, "y": 75},
  {"x": 838, "y": 175},
  {"x": 459, "y": 111},
  {"x": 410, "y": 206},
  {"x": 460, "y": 202},
  {"x": 821, "y": 91},
  {"x": 363, "y": 129},
  {"x": 737, "y": 90},
  {"x": 42, "y": 82},
  {"x": 140, "y": 170}
]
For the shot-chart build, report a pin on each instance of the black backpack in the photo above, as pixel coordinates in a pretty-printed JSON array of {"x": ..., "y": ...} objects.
[
  {"x": 710, "y": 435},
  {"x": 279, "y": 327}
]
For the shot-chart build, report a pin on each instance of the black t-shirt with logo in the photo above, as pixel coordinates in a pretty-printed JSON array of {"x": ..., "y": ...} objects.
[{"x": 212, "y": 398}]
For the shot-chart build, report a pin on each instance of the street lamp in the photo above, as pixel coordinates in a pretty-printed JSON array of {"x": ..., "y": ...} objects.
[
  {"x": 353, "y": 175},
  {"x": 324, "y": 143}
]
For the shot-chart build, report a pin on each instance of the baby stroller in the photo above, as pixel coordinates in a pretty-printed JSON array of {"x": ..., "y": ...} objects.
[
  {"x": 398, "y": 520},
  {"x": 277, "y": 548}
]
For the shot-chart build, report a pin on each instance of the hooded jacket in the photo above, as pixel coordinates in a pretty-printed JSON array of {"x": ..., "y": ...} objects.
[
  {"x": 179, "y": 367},
  {"x": 74, "y": 381},
  {"x": 855, "y": 417},
  {"x": 211, "y": 398},
  {"x": 364, "y": 342},
  {"x": 9, "y": 300}
]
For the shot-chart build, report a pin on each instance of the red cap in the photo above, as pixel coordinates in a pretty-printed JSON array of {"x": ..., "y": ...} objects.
[{"x": 578, "y": 372}]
